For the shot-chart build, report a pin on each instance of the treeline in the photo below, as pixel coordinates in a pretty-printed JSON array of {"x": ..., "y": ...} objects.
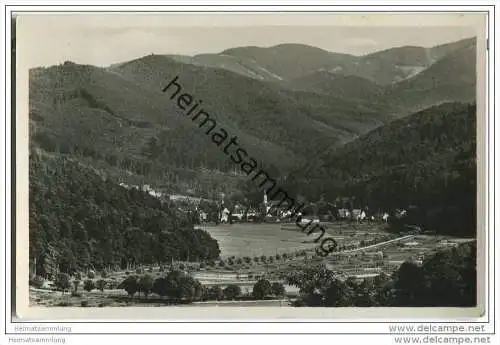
[
  {"x": 173, "y": 287},
  {"x": 79, "y": 220},
  {"x": 447, "y": 279},
  {"x": 426, "y": 160},
  {"x": 168, "y": 164}
]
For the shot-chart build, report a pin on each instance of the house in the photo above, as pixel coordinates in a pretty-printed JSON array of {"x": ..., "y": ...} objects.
[
  {"x": 385, "y": 217},
  {"x": 203, "y": 216},
  {"x": 344, "y": 213},
  {"x": 356, "y": 213},
  {"x": 225, "y": 216}
]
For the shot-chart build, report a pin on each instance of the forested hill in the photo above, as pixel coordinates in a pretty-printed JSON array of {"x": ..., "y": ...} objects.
[
  {"x": 436, "y": 131},
  {"x": 427, "y": 160},
  {"x": 79, "y": 220}
]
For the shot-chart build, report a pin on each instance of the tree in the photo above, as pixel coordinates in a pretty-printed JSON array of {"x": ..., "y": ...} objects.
[
  {"x": 145, "y": 285},
  {"x": 160, "y": 286},
  {"x": 180, "y": 286},
  {"x": 215, "y": 292},
  {"x": 37, "y": 281},
  {"x": 409, "y": 284},
  {"x": 62, "y": 282},
  {"x": 130, "y": 285},
  {"x": 383, "y": 290},
  {"x": 88, "y": 285},
  {"x": 278, "y": 289},
  {"x": 101, "y": 284},
  {"x": 312, "y": 279},
  {"x": 336, "y": 294},
  {"x": 76, "y": 284},
  {"x": 232, "y": 291},
  {"x": 261, "y": 289}
]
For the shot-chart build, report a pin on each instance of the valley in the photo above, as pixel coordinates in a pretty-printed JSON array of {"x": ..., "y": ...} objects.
[{"x": 127, "y": 197}]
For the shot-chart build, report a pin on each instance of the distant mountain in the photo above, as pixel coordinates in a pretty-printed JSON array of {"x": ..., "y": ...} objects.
[
  {"x": 440, "y": 51},
  {"x": 246, "y": 67},
  {"x": 286, "y": 62},
  {"x": 339, "y": 85},
  {"x": 285, "y": 104},
  {"x": 451, "y": 78},
  {"x": 289, "y": 61},
  {"x": 119, "y": 116}
]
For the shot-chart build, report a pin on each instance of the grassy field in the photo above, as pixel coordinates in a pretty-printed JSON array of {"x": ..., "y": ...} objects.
[
  {"x": 257, "y": 239},
  {"x": 248, "y": 239}
]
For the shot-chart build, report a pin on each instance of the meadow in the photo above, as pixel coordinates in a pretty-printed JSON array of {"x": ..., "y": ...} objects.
[{"x": 247, "y": 239}]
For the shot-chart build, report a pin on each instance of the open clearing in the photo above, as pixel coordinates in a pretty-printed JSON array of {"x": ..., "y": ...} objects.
[
  {"x": 248, "y": 239},
  {"x": 257, "y": 239}
]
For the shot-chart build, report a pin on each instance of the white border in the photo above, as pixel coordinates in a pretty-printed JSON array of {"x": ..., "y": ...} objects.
[{"x": 233, "y": 327}]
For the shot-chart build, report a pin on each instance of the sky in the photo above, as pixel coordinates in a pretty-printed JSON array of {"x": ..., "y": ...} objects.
[{"x": 104, "y": 39}]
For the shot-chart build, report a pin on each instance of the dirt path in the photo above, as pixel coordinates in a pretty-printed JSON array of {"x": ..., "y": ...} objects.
[{"x": 377, "y": 244}]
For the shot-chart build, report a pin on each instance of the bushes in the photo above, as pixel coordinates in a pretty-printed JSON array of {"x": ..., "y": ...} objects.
[
  {"x": 130, "y": 285},
  {"x": 214, "y": 293},
  {"x": 63, "y": 304},
  {"x": 278, "y": 289},
  {"x": 178, "y": 285},
  {"x": 101, "y": 284},
  {"x": 62, "y": 282},
  {"x": 36, "y": 282},
  {"x": 145, "y": 285},
  {"x": 84, "y": 303},
  {"x": 232, "y": 291},
  {"x": 261, "y": 289},
  {"x": 89, "y": 285}
]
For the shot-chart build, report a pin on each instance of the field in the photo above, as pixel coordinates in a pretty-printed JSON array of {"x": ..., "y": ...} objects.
[
  {"x": 257, "y": 239},
  {"x": 246, "y": 239}
]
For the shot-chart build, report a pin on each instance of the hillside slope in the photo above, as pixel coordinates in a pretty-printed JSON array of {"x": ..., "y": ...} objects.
[
  {"x": 427, "y": 159},
  {"x": 119, "y": 115},
  {"x": 80, "y": 220},
  {"x": 450, "y": 79},
  {"x": 396, "y": 81},
  {"x": 286, "y": 62}
]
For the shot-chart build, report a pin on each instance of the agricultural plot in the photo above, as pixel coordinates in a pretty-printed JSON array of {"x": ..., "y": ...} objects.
[
  {"x": 388, "y": 257},
  {"x": 257, "y": 239},
  {"x": 271, "y": 238}
]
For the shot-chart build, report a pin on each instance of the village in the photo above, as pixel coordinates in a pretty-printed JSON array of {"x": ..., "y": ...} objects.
[{"x": 265, "y": 244}]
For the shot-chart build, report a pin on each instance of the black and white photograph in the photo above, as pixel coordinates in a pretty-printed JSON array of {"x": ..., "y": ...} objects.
[{"x": 252, "y": 165}]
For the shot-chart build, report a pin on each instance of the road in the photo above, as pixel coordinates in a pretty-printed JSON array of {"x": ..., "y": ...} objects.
[{"x": 377, "y": 244}]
